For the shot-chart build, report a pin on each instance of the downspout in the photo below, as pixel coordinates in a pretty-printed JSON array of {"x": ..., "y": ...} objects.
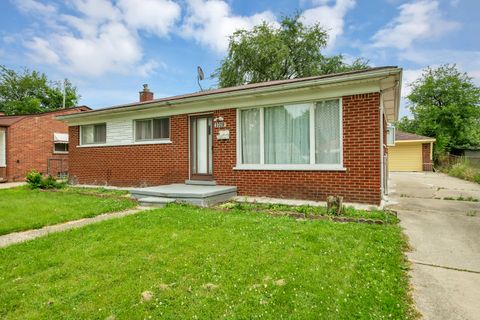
[{"x": 382, "y": 151}]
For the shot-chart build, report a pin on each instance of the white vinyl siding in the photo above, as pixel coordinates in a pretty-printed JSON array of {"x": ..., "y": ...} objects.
[
  {"x": 302, "y": 136},
  {"x": 3, "y": 148}
]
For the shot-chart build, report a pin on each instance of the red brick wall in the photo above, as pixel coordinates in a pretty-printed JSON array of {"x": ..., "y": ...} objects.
[
  {"x": 30, "y": 144},
  {"x": 161, "y": 163},
  {"x": 139, "y": 165},
  {"x": 427, "y": 162}
]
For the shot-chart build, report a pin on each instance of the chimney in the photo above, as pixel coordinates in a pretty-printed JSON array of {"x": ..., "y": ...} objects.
[{"x": 146, "y": 94}]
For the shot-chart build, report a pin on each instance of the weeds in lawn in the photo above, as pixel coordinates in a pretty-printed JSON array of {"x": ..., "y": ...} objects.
[
  {"x": 472, "y": 213},
  {"x": 461, "y": 198}
]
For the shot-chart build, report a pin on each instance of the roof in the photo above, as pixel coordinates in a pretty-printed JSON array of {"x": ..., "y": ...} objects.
[
  {"x": 335, "y": 77},
  {"x": 6, "y": 121},
  {"x": 406, "y": 136}
]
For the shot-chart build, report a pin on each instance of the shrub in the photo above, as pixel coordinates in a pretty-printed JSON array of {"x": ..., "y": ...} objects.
[{"x": 35, "y": 180}]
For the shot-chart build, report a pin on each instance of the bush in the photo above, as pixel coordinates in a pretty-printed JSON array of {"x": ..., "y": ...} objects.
[
  {"x": 35, "y": 180},
  {"x": 464, "y": 171}
]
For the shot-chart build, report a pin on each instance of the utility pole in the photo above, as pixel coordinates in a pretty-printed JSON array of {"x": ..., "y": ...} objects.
[{"x": 64, "y": 92}]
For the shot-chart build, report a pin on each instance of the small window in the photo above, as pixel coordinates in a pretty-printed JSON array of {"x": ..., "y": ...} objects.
[
  {"x": 152, "y": 129},
  {"x": 94, "y": 133},
  {"x": 390, "y": 135},
  {"x": 60, "y": 147}
]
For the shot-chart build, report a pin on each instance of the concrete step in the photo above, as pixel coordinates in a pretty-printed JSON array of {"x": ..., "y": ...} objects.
[
  {"x": 201, "y": 182},
  {"x": 199, "y": 195},
  {"x": 158, "y": 202}
]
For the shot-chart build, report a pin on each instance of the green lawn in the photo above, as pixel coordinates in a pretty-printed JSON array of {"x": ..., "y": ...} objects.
[
  {"x": 207, "y": 264},
  {"x": 23, "y": 209}
]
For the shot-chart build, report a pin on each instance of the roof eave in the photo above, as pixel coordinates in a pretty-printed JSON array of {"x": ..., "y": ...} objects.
[{"x": 238, "y": 93}]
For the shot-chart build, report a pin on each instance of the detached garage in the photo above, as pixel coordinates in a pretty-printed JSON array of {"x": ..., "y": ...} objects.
[{"x": 410, "y": 152}]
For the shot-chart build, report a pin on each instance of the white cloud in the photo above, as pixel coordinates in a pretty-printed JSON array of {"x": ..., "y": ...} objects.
[
  {"x": 27, "y": 6},
  {"x": 156, "y": 16},
  {"x": 331, "y": 17},
  {"x": 98, "y": 36},
  {"x": 41, "y": 51},
  {"x": 211, "y": 22},
  {"x": 416, "y": 21}
]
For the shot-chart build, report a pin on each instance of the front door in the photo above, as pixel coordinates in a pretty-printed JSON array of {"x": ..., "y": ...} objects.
[{"x": 201, "y": 162}]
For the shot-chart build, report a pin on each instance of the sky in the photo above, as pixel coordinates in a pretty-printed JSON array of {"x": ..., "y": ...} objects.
[{"x": 108, "y": 49}]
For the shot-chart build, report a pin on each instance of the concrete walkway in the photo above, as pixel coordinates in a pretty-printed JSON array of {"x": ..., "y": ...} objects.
[
  {"x": 7, "y": 185},
  {"x": 17, "y": 237},
  {"x": 445, "y": 240}
]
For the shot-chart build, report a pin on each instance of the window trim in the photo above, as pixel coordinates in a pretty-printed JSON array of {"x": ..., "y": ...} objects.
[
  {"x": 312, "y": 165},
  {"x": 82, "y": 143},
  {"x": 59, "y": 152},
  {"x": 148, "y": 141}
]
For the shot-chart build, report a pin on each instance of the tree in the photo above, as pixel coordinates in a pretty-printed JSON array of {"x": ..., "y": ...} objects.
[
  {"x": 445, "y": 104},
  {"x": 269, "y": 53},
  {"x": 32, "y": 92}
]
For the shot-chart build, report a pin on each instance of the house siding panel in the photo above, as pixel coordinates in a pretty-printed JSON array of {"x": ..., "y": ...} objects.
[{"x": 134, "y": 165}]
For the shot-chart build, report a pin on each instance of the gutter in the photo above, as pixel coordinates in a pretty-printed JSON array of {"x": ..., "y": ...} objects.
[{"x": 236, "y": 93}]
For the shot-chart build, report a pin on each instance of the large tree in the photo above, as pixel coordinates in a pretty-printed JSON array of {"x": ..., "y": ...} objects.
[
  {"x": 288, "y": 51},
  {"x": 31, "y": 92},
  {"x": 445, "y": 104}
]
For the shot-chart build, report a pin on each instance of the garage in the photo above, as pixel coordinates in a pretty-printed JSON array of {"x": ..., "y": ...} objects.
[{"x": 410, "y": 152}]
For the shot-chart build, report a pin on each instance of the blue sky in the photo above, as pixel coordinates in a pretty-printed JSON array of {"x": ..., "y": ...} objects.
[{"x": 108, "y": 49}]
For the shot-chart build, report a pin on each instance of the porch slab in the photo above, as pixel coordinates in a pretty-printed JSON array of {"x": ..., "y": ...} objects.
[{"x": 199, "y": 195}]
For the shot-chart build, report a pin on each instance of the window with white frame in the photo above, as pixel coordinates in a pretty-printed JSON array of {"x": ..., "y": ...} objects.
[
  {"x": 390, "y": 134},
  {"x": 94, "y": 133},
  {"x": 152, "y": 129},
  {"x": 301, "y": 135},
  {"x": 60, "y": 142},
  {"x": 3, "y": 149}
]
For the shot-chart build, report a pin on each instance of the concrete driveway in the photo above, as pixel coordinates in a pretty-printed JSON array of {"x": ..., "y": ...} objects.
[{"x": 445, "y": 242}]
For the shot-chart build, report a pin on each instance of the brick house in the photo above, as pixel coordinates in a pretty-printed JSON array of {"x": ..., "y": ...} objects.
[
  {"x": 36, "y": 141},
  {"x": 303, "y": 138}
]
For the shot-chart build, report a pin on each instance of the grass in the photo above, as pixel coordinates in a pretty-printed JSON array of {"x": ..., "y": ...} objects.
[
  {"x": 207, "y": 264},
  {"x": 462, "y": 198},
  {"x": 464, "y": 170},
  {"x": 350, "y": 212},
  {"x": 24, "y": 209}
]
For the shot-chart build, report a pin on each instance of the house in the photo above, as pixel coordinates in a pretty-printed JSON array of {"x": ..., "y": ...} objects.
[
  {"x": 410, "y": 152},
  {"x": 35, "y": 141},
  {"x": 304, "y": 138}
]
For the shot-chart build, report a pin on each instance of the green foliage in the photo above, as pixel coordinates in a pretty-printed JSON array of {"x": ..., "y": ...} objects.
[
  {"x": 31, "y": 92},
  {"x": 204, "y": 264},
  {"x": 269, "y": 53},
  {"x": 464, "y": 171},
  {"x": 35, "y": 180},
  {"x": 445, "y": 104}
]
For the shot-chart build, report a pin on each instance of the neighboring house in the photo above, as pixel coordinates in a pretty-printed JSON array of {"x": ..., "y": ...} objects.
[
  {"x": 36, "y": 141},
  {"x": 410, "y": 152},
  {"x": 303, "y": 138}
]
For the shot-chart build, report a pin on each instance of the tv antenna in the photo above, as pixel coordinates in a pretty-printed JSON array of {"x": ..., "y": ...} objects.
[{"x": 200, "y": 76}]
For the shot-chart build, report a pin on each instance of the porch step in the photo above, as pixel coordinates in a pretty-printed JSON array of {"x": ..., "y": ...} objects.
[
  {"x": 201, "y": 182},
  {"x": 158, "y": 202},
  {"x": 200, "y": 195}
]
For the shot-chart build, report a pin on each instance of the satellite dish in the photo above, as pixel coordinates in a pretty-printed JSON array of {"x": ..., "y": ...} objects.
[{"x": 200, "y": 76}]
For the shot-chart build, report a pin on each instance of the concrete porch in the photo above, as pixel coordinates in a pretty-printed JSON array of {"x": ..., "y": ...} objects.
[{"x": 200, "y": 195}]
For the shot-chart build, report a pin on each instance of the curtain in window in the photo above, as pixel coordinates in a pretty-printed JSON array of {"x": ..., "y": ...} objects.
[
  {"x": 143, "y": 129},
  {"x": 100, "y": 133},
  {"x": 87, "y": 134},
  {"x": 250, "y": 124},
  {"x": 161, "y": 128},
  {"x": 327, "y": 132},
  {"x": 287, "y": 134}
]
